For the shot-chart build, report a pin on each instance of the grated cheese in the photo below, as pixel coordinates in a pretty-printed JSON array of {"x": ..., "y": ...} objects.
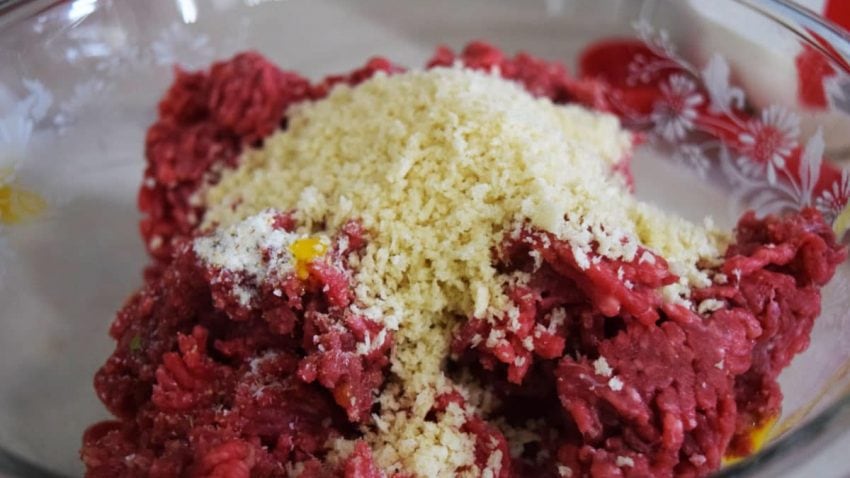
[
  {"x": 439, "y": 166},
  {"x": 616, "y": 384},
  {"x": 255, "y": 249},
  {"x": 601, "y": 367}
]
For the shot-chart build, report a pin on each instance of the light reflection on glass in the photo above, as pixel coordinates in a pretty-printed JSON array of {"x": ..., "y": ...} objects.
[
  {"x": 81, "y": 9},
  {"x": 188, "y": 10}
]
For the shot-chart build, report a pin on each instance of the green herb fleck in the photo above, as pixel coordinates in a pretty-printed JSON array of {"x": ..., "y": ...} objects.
[{"x": 136, "y": 344}]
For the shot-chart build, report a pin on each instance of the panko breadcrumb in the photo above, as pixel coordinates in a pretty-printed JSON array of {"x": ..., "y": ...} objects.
[{"x": 437, "y": 165}]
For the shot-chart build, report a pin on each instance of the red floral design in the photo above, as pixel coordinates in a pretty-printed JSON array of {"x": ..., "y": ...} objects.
[
  {"x": 770, "y": 139},
  {"x": 674, "y": 117},
  {"x": 833, "y": 200},
  {"x": 647, "y": 88}
]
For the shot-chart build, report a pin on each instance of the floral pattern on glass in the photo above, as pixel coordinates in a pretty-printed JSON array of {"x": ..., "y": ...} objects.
[{"x": 704, "y": 119}]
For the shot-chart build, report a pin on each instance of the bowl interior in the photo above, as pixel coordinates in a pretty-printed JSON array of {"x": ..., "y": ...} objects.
[{"x": 79, "y": 86}]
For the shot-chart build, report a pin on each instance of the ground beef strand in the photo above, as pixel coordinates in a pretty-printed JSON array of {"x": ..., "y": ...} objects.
[
  {"x": 607, "y": 379},
  {"x": 649, "y": 388},
  {"x": 201, "y": 389},
  {"x": 205, "y": 120}
]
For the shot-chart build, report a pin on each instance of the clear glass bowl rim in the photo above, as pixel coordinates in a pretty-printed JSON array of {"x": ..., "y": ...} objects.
[{"x": 811, "y": 29}]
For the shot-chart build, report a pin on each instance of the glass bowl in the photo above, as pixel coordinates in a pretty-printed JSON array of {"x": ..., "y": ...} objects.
[{"x": 79, "y": 82}]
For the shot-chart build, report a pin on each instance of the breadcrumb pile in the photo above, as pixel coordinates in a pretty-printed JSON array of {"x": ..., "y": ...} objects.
[{"x": 439, "y": 166}]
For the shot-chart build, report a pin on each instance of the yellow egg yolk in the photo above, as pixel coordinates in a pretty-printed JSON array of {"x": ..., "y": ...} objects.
[
  {"x": 758, "y": 438},
  {"x": 842, "y": 222},
  {"x": 305, "y": 251},
  {"x": 18, "y": 204}
]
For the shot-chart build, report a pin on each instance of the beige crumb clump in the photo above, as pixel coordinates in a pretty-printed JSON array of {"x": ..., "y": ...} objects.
[{"x": 439, "y": 165}]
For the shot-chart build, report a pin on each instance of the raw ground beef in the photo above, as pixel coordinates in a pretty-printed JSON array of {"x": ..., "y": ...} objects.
[
  {"x": 647, "y": 388},
  {"x": 777, "y": 267},
  {"x": 609, "y": 380},
  {"x": 203, "y": 386},
  {"x": 205, "y": 119}
]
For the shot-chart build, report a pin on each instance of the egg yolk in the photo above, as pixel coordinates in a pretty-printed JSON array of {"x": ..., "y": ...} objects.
[
  {"x": 305, "y": 251},
  {"x": 17, "y": 204},
  {"x": 758, "y": 438}
]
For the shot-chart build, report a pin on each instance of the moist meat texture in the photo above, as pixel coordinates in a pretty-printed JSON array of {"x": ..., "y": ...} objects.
[{"x": 437, "y": 272}]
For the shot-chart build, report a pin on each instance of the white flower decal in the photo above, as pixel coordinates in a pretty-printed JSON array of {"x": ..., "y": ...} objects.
[
  {"x": 694, "y": 156},
  {"x": 833, "y": 200},
  {"x": 83, "y": 94},
  {"x": 658, "y": 40},
  {"x": 178, "y": 45},
  {"x": 752, "y": 151},
  {"x": 809, "y": 170},
  {"x": 723, "y": 96},
  {"x": 770, "y": 139},
  {"x": 674, "y": 116},
  {"x": 17, "y": 126},
  {"x": 837, "y": 88}
]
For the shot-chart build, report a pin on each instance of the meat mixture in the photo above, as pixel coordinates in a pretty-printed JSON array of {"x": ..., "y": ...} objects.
[{"x": 436, "y": 272}]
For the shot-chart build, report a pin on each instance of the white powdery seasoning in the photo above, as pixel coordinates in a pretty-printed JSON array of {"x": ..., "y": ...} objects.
[{"x": 252, "y": 247}]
